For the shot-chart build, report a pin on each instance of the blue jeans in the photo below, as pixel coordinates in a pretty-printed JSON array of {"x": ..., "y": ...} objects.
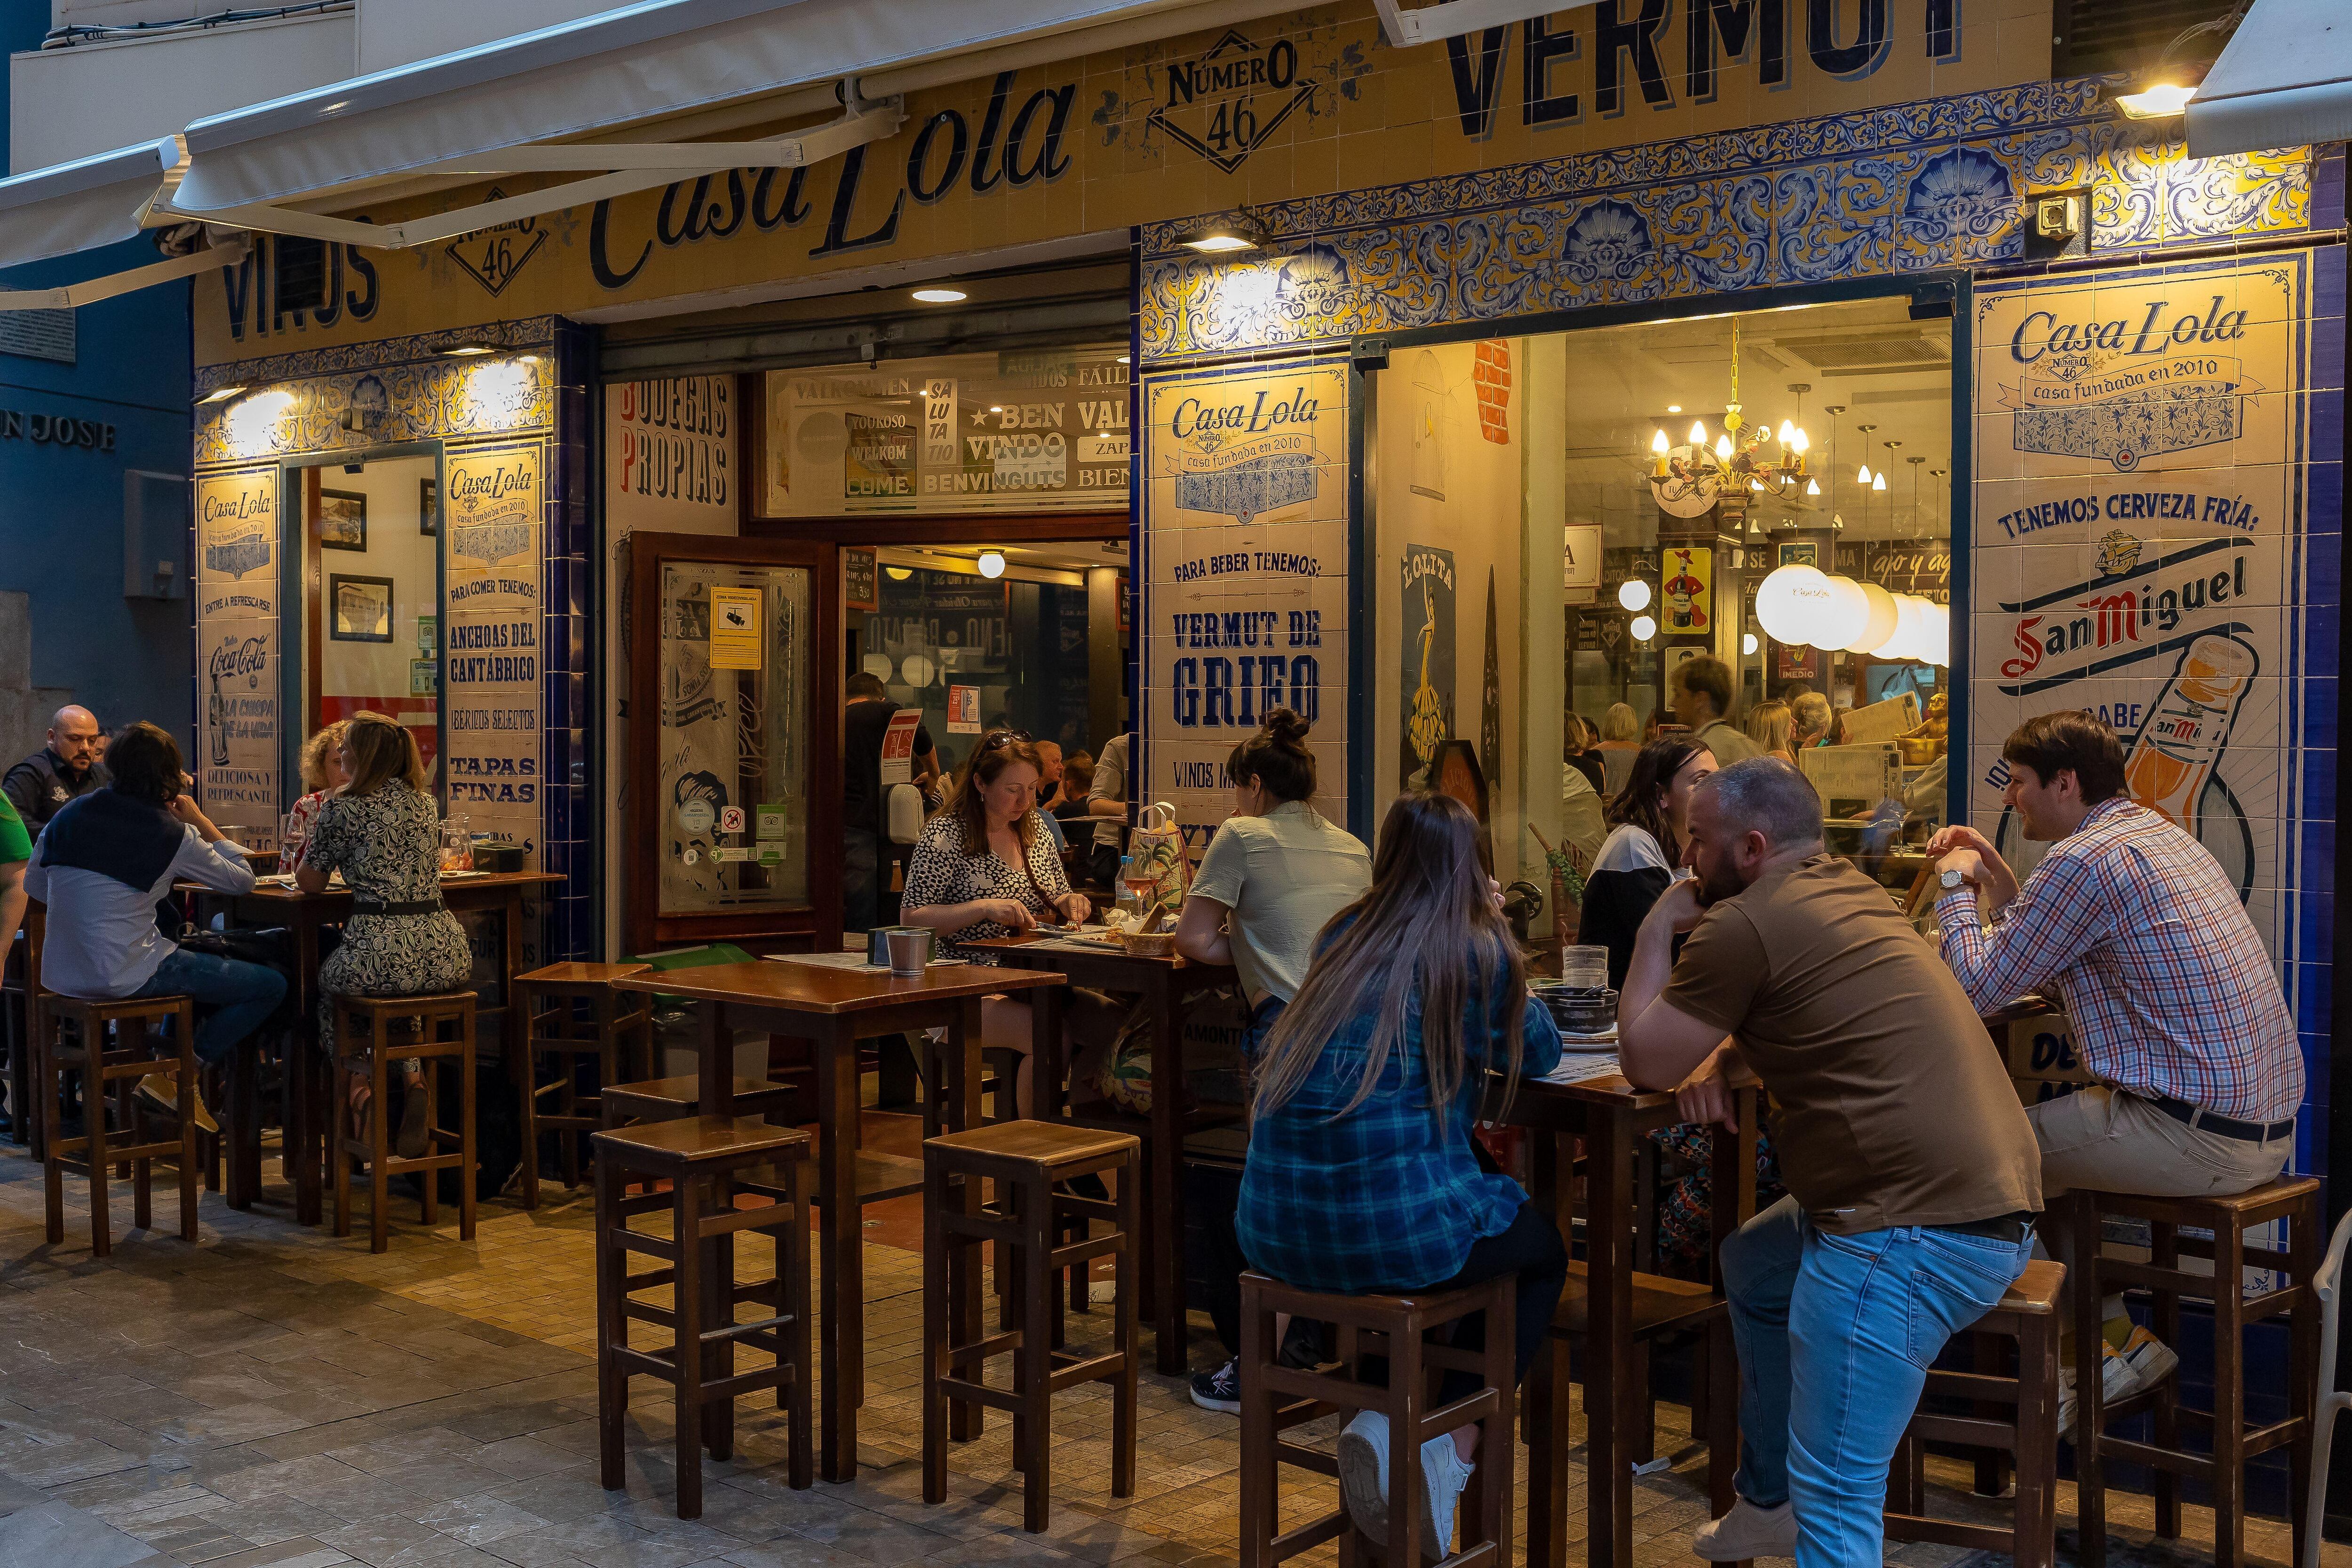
[
  {"x": 1835, "y": 1335},
  {"x": 238, "y": 996}
]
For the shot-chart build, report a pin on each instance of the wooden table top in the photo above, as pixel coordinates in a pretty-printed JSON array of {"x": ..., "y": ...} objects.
[
  {"x": 815, "y": 988},
  {"x": 271, "y": 893},
  {"x": 1093, "y": 950}
]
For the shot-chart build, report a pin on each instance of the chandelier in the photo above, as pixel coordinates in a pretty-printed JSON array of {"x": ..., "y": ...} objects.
[{"x": 1686, "y": 480}]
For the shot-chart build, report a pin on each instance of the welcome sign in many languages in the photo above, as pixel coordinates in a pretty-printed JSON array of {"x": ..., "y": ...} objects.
[
  {"x": 239, "y": 748},
  {"x": 1246, "y": 546},
  {"x": 491, "y": 628},
  {"x": 2138, "y": 543}
]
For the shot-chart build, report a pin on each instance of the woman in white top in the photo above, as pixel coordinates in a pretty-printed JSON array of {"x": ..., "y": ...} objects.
[{"x": 1274, "y": 873}]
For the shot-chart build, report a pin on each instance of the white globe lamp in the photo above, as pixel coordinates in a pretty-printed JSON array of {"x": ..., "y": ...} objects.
[
  {"x": 1843, "y": 614},
  {"x": 1783, "y": 601},
  {"x": 1633, "y": 594}
]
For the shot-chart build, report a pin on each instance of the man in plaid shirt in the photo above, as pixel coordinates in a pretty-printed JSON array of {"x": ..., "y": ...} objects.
[{"x": 2133, "y": 929}]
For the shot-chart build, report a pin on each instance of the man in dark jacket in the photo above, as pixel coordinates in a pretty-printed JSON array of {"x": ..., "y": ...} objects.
[{"x": 64, "y": 769}]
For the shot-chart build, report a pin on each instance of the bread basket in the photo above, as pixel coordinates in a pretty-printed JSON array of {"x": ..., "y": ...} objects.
[{"x": 1149, "y": 943}]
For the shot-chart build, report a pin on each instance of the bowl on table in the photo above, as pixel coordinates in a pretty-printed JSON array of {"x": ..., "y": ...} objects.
[{"x": 1581, "y": 1011}]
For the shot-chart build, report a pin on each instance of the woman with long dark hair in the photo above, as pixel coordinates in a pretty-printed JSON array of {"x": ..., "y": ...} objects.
[
  {"x": 1645, "y": 844},
  {"x": 1413, "y": 1020},
  {"x": 985, "y": 866}
]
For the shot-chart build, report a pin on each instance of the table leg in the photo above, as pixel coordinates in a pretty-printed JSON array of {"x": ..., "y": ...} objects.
[
  {"x": 1048, "y": 1061},
  {"x": 301, "y": 1148},
  {"x": 1166, "y": 1175},
  {"x": 714, "y": 1062},
  {"x": 244, "y": 1109},
  {"x": 961, "y": 1069},
  {"x": 840, "y": 1267},
  {"x": 1545, "y": 1413},
  {"x": 1609, "y": 1392},
  {"x": 510, "y": 1030}
]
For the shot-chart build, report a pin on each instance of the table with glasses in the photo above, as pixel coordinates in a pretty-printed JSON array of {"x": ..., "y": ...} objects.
[
  {"x": 1162, "y": 983},
  {"x": 834, "y": 1008}
]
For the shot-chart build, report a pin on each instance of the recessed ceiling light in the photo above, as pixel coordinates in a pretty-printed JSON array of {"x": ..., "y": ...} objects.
[
  {"x": 218, "y": 395},
  {"x": 1674, "y": 408},
  {"x": 940, "y": 296},
  {"x": 997, "y": 408},
  {"x": 1122, "y": 358}
]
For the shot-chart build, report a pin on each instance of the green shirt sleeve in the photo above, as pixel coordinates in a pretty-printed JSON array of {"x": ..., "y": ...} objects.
[{"x": 15, "y": 844}]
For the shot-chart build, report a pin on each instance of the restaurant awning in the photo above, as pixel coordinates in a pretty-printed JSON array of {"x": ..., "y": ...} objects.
[
  {"x": 2284, "y": 80},
  {"x": 82, "y": 205}
]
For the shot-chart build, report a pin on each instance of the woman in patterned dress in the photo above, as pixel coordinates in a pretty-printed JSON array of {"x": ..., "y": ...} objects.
[
  {"x": 381, "y": 832},
  {"x": 985, "y": 866}
]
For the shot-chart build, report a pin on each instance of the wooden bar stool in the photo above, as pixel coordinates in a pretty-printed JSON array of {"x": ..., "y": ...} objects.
[
  {"x": 2295, "y": 1199},
  {"x": 570, "y": 1012},
  {"x": 366, "y": 1030},
  {"x": 75, "y": 1034},
  {"x": 1277, "y": 1398},
  {"x": 707, "y": 1160},
  {"x": 1025, "y": 1159},
  {"x": 2027, "y": 1313}
]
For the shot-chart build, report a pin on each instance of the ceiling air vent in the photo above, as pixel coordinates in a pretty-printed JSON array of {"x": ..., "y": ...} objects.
[{"x": 1868, "y": 355}]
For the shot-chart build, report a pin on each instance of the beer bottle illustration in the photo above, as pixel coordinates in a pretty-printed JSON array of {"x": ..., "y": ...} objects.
[
  {"x": 1686, "y": 594},
  {"x": 2180, "y": 744},
  {"x": 216, "y": 715}
]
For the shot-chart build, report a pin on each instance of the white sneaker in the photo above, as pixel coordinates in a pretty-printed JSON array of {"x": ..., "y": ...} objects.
[
  {"x": 2149, "y": 1360},
  {"x": 1364, "y": 1482},
  {"x": 1748, "y": 1531}
]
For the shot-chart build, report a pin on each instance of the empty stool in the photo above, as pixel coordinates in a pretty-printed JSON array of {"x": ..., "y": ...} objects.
[
  {"x": 1025, "y": 1159},
  {"x": 669, "y": 1099},
  {"x": 2027, "y": 1313},
  {"x": 572, "y": 1012},
  {"x": 77, "y": 1032},
  {"x": 707, "y": 1160},
  {"x": 1275, "y": 1398},
  {"x": 439, "y": 1030},
  {"x": 2295, "y": 1199}
]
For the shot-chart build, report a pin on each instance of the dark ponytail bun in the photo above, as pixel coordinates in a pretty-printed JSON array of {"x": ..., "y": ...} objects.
[{"x": 1276, "y": 756}]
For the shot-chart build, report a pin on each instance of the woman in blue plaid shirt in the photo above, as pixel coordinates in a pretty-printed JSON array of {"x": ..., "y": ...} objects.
[{"x": 1362, "y": 1176}]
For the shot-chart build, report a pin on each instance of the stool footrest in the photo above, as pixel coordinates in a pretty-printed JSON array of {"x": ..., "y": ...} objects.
[
  {"x": 1308, "y": 1536},
  {"x": 1969, "y": 1431},
  {"x": 727, "y": 1222},
  {"x": 1321, "y": 1461},
  {"x": 642, "y": 1241},
  {"x": 1093, "y": 1369},
  {"x": 1086, "y": 1251},
  {"x": 981, "y": 1350},
  {"x": 1973, "y": 1385},
  {"x": 1950, "y": 1532},
  {"x": 2157, "y": 1459},
  {"x": 982, "y": 1394},
  {"x": 737, "y": 1330},
  {"x": 116, "y": 1153}
]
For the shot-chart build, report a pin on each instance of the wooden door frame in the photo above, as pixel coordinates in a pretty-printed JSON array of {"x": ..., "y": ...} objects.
[{"x": 818, "y": 925}]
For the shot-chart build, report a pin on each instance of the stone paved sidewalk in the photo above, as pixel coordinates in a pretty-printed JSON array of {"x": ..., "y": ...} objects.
[{"x": 273, "y": 1396}]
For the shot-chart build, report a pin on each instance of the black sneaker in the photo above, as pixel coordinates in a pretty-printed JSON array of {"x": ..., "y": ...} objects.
[
  {"x": 1307, "y": 1345},
  {"x": 1220, "y": 1389}
]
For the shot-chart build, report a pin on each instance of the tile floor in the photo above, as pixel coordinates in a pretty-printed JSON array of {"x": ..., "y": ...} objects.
[{"x": 273, "y": 1396}]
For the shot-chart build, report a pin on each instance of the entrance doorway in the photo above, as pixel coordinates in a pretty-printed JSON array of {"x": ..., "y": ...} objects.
[{"x": 371, "y": 597}]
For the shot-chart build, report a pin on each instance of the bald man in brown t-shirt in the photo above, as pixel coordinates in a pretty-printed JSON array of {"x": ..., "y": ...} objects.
[{"x": 1913, "y": 1175}]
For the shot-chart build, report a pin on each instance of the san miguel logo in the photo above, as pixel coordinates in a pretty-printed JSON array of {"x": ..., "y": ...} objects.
[
  {"x": 2123, "y": 618},
  {"x": 491, "y": 256},
  {"x": 1226, "y": 102},
  {"x": 2138, "y": 385}
]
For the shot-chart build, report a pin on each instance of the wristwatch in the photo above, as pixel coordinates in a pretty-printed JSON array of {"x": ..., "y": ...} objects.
[{"x": 1951, "y": 880}]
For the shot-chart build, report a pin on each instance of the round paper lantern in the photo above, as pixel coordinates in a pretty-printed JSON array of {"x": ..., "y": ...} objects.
[
  {"x": 1936, "y": 645},
  {"x": 1842, "y": 615},
  {"x": 1634, "y": 593},
  {"x": 1784, "y": 601},
  {"x": 1879, "y": 624},
  {"x": 1644, "y": 628},
  {"x": 1909, "y": 626}
]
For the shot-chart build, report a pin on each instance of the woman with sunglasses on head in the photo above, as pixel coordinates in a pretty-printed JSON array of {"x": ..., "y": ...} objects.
[{"x": 985, "y": 866}]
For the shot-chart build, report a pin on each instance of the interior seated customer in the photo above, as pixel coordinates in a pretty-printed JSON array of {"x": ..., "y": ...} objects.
[
  {"x": 1274, "y": 875},
  {"x": 986, "y": 867},
  {"x": 1361, "y": 1176},
  {"x": 322, "y": 774},
  {"x": 104, "y": 861},
  {"x": 382, "y": 831}
]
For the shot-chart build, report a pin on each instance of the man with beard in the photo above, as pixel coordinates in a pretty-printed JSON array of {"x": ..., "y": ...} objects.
[
  {"x": 64, "y": 769},
  {"x": 1913, "y": 1176}
]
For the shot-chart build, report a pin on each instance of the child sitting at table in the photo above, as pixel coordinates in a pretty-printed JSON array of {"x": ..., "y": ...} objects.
[{"x": 1360, "y": 1176}]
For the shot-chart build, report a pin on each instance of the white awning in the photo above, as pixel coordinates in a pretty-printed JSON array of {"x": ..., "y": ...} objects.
[
  {"x": 80, "y": 206},
  {"x": 2284, "y": 80},
  {"x": 663, "y": 58}
]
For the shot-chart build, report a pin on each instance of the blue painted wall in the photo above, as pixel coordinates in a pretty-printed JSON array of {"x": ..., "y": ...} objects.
[{"x": 62, "y": 508}]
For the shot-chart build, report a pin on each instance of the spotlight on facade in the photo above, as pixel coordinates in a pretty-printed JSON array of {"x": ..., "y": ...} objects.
[
  {"x": 941, "y": 296},
  {"x": 2157, "y": 100},
  {"x": 467, "y": 351},
  {"x": 1224, "y": 236},
  {"x": 218, "y": 395}
]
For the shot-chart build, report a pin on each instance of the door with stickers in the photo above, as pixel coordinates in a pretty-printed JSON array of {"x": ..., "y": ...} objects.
[{"x": 732, "y": 721}]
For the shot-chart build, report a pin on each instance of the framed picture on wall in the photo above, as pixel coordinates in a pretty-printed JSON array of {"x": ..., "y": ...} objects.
[
  {"x": 343, "y": 520},
  {"x": 359, "y": 609},
  {"x": 428, "y": 507}
]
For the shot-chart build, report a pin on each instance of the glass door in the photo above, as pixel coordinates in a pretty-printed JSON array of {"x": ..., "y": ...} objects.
[{"x": 732, "y": 784}]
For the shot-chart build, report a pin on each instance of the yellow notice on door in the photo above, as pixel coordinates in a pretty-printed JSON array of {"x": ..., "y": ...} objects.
[{"x": 735, "y": 640}]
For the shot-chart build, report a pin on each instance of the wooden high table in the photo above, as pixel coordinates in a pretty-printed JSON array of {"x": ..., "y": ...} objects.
[
  {"x": 832, "y": 1009},
  {"x": 1610, "y": 1301},
  {"x": 308, "y": 1113},
  {"x": 1162, "y": 981}
]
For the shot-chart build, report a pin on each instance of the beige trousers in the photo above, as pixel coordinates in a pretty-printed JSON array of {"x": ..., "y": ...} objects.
[{"x": 2115, "y": 1142}]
